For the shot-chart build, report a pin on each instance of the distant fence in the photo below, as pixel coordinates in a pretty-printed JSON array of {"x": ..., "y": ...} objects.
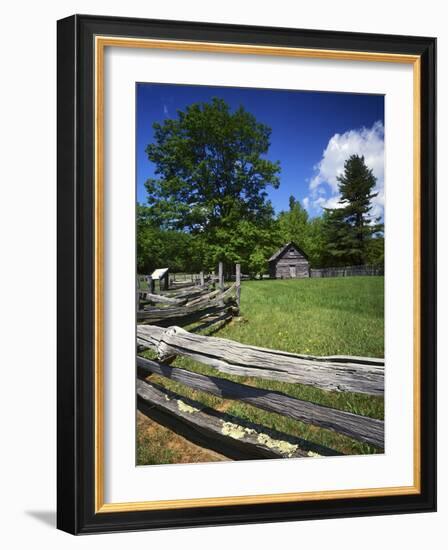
[
  {"x": 176, "y": 281},
  {"x": 349, "y": 271},
  {"x": 235, "y": 437},
  {"x": 203, "y": 298},
  {"x": 182, "y": 280}
]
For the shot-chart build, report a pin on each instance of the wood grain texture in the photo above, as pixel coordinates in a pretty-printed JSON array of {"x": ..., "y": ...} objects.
[
  {"x": 221, "y": 275},
  {"x": 223, "y": 433},
  {"x": 238, "y": 284},
  {"x": 332, "y": 373},
  {"x": 203, "y": 298},
  {"x": 288, "y": 263},
  {"x": 187, "y": 293},
  {"x": 361, "y": 428},
  {"x": 160, "y": 299},
  {"x": 183, "y": 317},
  {"x": 216, "y": 322},
  {"x": 149, "y": 336},
  {"x": 203, "y": 303}
]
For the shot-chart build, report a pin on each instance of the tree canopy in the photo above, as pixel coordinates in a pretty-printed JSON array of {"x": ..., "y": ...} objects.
[
  {"x": 211, "y": 168},
  {"x": 208, "y": 201}
]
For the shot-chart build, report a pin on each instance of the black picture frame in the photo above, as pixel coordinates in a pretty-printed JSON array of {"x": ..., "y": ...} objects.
[{"x": 76, "y": 271}]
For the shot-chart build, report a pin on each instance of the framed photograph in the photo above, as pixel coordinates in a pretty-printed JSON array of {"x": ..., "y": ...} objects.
[{"x": 246, "y": 274}]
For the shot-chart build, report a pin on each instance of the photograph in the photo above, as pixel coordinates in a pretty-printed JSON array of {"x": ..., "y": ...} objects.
[
  {"x": 247, "y": 251},
  {"x": 260, "y": 231}
]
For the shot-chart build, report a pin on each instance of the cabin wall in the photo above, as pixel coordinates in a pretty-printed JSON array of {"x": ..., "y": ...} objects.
[
  {"x": 280, "y": 267},
  {"x": 283, "y": 271}
]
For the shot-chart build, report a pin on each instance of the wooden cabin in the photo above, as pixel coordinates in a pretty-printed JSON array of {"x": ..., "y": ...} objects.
[{"x": 289, "y": 262}]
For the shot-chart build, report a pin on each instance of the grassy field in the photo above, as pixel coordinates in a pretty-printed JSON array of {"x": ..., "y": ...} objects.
[{"x": 312, "y": 316}]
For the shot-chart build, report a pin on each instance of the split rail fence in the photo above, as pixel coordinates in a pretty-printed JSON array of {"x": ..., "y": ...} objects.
[
  {"x": 209, "y": 300},
  {"x": 158, "y": 330}
]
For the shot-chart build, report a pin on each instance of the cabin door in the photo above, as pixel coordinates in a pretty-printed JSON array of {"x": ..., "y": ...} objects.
[{"x": 292, "y": 271}]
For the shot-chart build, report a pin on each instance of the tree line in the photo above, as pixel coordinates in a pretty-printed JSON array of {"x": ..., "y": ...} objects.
[{"x": 208, "y": 201}]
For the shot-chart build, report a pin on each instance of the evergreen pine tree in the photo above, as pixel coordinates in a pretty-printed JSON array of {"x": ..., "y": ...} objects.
[{"x": 350, "y": 227}]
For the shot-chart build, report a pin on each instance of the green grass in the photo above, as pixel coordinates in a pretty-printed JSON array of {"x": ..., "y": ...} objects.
[
  {"x": 330, "y": 316},
  {"x": 154, "y": 450},
  {"x": 317, "y": 316}
]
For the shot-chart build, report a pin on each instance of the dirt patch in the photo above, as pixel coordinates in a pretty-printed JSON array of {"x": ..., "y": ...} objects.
[{"x": 159, "y": 445}]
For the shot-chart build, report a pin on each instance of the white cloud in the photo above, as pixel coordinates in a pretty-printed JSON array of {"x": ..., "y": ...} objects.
[
  {"x": 323, "y": 187},
  {"x": 330, "y": 202},
  {"x": 165, "y": 109}
]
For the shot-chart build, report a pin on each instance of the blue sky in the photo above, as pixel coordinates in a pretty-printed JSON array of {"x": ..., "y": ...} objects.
[{"x": 312, "y": 134}]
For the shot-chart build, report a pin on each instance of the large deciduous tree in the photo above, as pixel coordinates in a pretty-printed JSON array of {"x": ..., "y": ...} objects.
[
  {"x": 156, "y": 247},
  {"x": 293, "y": 223},
  {"x": 211, "y": 169}
]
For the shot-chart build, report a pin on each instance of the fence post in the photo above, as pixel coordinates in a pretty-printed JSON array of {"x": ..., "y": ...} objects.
[
  {"x": 238, "y": 284},
  {"x": 221, "y": 281},
  {"x": 150, "y": 282},
  {"x": 221, "y": 275},
  {"x": 201, "y": 276},
  {"x": 137, "y": 295}
]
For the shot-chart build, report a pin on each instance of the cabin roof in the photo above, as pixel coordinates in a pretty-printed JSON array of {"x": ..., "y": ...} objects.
[
  {"x": 159, "y": 273},
  {"x": 283, "y": 249}
]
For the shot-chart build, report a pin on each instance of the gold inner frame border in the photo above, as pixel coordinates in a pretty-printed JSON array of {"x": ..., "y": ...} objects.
[{"x": 101, "y": 42}]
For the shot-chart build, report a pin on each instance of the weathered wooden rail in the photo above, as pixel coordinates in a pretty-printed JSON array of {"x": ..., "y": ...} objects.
[
  {"x": 226, "y": 434},
  {"x": 361, "y": 428},
  {"x": 333, "y": 373},
  {"x": 189, "y": 305},
  {"x": 203, "y": 306},
  {"x": 209, "y": 304}
]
